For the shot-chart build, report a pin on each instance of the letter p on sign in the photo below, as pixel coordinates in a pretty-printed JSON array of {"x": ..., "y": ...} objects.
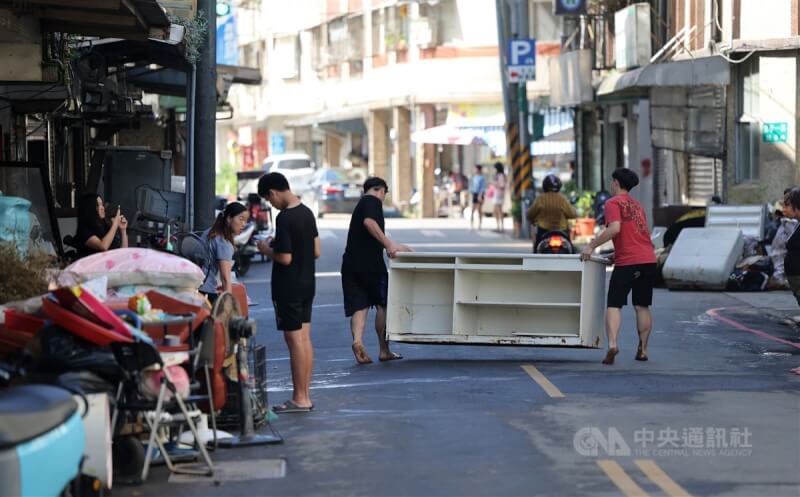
[{"x": 522, "y": 53}]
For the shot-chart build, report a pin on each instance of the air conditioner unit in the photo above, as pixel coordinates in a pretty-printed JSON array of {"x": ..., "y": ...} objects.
[
  {"x": 424, "y": 32},
  {"x": 632, "y": 36}
]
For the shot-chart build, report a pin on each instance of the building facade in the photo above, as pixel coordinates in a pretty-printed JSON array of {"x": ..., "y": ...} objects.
[
  {"x": 352, "y": 83},
  {"x": 698, "y": 96}
]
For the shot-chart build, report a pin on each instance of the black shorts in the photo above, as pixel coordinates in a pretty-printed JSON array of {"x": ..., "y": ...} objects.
[
  {"x": 477, "y": 198},
  {"x": 640, "y": 278},
  {"x": 363, "y": 290},
  {"x": 291, "y": 314}
]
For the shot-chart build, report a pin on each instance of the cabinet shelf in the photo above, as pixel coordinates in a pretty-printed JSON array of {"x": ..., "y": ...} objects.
[
  {"x": 420, "y": 267},
  {"x": 527, "y": 305},
  {"x": 496, "y": 299}
]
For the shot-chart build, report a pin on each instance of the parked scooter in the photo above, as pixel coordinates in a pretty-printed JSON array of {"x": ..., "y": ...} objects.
[
  {"x": 246, "y": 248},
  {"x": 40, "y": 427},
  {"x": 600, "y": 200},
  {"x": 554, "y": 242}
]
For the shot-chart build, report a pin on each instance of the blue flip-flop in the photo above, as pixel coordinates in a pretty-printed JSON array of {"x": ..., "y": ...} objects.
[{"x": 291, "y": 406}]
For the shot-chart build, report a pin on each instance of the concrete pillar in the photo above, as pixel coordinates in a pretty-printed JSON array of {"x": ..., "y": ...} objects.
[
  {"x": 646, "y": 160},
  {"x": 426, "y": 164},
  {"x": 333, "y": 150},
  {"x": 402, "y": 174},
  {"x": 378, "y": 130}
]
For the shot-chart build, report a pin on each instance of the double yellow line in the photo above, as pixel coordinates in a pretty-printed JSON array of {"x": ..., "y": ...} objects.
[
  {"x": 630, "y": 488},
  {"x": 612, "y": 468}
]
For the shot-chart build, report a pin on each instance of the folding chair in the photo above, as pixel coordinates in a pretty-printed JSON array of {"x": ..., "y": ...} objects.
[
  {"x": 134, "y": 358},
  {"x": 209, "y": 356}
]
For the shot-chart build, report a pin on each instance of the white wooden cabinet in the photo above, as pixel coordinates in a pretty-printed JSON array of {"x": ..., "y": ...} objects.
[{"x": 496, "y": 299}]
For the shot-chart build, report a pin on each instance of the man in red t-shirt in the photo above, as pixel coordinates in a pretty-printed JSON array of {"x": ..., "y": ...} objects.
[{"x": 634, "y": 262}]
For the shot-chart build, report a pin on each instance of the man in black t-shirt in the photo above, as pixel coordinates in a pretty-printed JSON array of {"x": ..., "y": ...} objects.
[
  {"x": 294, "y": 251},
  {"x": 364, "y": 275}
]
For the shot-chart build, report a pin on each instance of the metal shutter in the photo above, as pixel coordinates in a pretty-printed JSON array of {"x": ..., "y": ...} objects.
[{"x": 705, "y": 179}]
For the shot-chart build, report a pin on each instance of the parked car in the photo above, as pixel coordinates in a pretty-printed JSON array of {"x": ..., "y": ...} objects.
[
  {"x": 297, "y": 167},
  {"x": 335, "y": 191}
]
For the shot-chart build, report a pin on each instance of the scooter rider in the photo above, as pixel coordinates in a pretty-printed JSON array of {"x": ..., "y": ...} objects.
[{"x": 551, "y": 210}]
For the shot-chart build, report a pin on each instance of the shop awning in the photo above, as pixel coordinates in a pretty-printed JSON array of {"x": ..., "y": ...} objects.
[
  {"x": 449, "y": 135},
  {"x": 134, "y": 19},
  {"x": 713, "y": 71},
  {"x": 564, "y": 135}
]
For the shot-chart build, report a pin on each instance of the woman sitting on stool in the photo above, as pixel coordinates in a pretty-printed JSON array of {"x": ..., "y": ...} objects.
[{"x": 95, "y": 234}]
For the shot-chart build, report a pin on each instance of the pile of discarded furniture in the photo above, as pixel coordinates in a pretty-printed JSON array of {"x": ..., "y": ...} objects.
[
  {"x": 156, "y": 367},
  {"x": 731, "y": 251}
]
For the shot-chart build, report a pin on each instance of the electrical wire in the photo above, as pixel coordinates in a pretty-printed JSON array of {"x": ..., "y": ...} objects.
[
  {"x": 29, "y": 98},
  {"x": 722, "y": 32}
]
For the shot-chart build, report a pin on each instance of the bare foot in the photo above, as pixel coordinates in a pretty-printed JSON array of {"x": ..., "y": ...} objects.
[
  {"x": 609, "y": 359},
  {"x": 391, "y": 356},
  {"x": 361, "y": 354}
]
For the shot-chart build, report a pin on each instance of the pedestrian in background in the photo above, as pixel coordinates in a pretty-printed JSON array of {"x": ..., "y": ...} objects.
[
  {"x": 477, "y": 188},
  {"x": 791, "y": 262},
  {"x": 791, "y": 209},
  {"x": 634, "y": 262},
  {"x": 364, "y": 275},
  {"x": 499, "y": 195},
  {"x": 294, "y": 251}
]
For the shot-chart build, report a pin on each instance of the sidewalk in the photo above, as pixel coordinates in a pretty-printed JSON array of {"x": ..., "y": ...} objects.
[{"x": 778, "y": 304}]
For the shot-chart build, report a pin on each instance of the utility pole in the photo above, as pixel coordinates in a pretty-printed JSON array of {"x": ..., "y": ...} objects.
[
  {"x": 504, "y": 34},
  {"x": 525, "y": 184},
  {"x": 512, "y": 23},
  {"x": 204, "y": 178}
]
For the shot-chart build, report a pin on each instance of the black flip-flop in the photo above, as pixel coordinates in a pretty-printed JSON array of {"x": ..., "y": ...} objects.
[
  {"x": 640, "y": 356},
  {"x": 291, "y": 406},
  {"x": 609, "y": 359}
]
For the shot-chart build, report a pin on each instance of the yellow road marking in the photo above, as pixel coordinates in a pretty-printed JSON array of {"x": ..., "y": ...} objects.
[
  {"x": 543, "y": 382},
  {"x": 660, "y": 478},
  {"x": 620, "y": 478}
]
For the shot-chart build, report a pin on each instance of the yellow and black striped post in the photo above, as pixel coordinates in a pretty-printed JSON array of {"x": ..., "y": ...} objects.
[
  {"x": 515, "y": 159},
  {"x": 525, "y": 175}
]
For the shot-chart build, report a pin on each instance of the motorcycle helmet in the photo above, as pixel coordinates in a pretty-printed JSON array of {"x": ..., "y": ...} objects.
[{"x": 551, "y": 183}]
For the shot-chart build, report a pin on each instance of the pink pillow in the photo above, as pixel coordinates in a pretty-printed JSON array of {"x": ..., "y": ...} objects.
[{"x": 139, "y": 266}]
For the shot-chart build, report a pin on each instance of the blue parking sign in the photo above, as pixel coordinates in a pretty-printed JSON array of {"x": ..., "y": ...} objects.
[{"x": 521, "y": 60}]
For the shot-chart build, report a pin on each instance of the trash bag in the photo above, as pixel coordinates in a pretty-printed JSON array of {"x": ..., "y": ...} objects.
[
  {"x": 764, "y": 265},
  {"x": 85, "y": 382},
  {"x": 743, "y": 280},
  {"x": 61, "y": 351}
]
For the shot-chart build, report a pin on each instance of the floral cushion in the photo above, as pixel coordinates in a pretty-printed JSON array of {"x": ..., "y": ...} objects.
[{"x": 139, "y": 266}]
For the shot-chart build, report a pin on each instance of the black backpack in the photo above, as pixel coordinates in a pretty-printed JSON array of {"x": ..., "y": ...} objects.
[{"x": 194, "y": 247}]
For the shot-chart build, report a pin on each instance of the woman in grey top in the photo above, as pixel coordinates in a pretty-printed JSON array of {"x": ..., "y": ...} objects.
[{"x": 218, "y": 240}]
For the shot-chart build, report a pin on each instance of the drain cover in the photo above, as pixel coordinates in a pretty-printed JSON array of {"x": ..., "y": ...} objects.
[{"x": 231, "y": 471}]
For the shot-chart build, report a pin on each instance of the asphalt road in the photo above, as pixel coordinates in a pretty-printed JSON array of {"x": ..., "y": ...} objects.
[{"x": 714, "y": 412}]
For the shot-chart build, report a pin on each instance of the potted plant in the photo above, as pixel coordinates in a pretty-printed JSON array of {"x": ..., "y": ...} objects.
[{"x": 584, "y": 226}]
